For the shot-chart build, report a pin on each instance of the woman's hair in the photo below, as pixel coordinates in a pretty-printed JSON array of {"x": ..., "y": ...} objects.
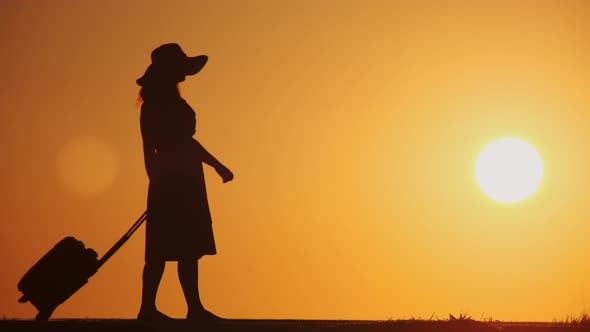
[{"x": 158, "y": 92}]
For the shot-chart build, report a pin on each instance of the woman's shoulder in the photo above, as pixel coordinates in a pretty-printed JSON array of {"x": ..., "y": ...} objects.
[
  {"x": 151, "y": 112},
  {"x": 151, "y": 106},
  {"x": 160, "y": 106}
]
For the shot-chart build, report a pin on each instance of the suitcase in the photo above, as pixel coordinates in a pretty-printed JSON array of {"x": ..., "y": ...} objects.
[{"x": 63, "y": 270}]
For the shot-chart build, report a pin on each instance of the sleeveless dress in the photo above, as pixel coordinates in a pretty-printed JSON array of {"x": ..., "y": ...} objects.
[{"x": 179, "y": 225}]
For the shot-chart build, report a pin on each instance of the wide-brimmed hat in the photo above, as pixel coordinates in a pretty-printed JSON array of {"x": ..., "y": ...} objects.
[{"x": 170, "y": 56}]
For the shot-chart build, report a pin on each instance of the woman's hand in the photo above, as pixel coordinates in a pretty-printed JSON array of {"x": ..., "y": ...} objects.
[{"x": 225, "y": 173}]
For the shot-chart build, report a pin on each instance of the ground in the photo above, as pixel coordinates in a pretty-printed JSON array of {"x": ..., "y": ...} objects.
[{"x": 114, "y": 325}]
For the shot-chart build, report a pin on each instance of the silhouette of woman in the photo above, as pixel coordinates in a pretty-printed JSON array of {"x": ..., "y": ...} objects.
[{"x": 178, "y": 219}]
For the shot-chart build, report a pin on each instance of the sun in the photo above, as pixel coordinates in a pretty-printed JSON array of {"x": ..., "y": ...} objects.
[{"x": 509, "y": 170}]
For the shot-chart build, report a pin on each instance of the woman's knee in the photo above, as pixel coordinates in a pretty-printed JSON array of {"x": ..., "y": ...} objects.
[
  {"x": 155, "y": 264},
  {"x": 189, "y": 263}
]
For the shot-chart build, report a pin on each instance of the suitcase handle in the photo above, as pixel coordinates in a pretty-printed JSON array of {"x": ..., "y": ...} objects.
[{"x": 122, "y": 241}]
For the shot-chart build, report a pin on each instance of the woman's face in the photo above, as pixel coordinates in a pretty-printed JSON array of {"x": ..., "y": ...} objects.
[
  {"x": 173, "y": 73},
  {"x": 170, "y": 74},
  {"x": 177, "y": 74}
]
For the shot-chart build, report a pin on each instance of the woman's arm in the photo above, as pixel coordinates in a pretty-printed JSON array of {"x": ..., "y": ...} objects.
[
  {"x": 149, "y": 146},
  {"x": 149, "y": 158},
  {"x": 208, "y": 159}
]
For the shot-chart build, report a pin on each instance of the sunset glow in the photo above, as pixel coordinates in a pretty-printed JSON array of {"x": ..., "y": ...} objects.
[{"x": 353, "y": 129}]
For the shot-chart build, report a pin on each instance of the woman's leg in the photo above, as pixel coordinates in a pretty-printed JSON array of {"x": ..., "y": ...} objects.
[
  {"x": 188, "y": 274},
  {"x": 152, "y": 274}
]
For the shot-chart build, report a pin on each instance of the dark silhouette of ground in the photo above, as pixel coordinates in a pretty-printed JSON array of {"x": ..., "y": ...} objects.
[{"x": 105, "y": 325}]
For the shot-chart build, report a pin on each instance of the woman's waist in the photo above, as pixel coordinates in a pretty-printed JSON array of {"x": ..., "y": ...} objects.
[
  {"x": 176, "y": 148},
  {"x": 177, "y": 168}
]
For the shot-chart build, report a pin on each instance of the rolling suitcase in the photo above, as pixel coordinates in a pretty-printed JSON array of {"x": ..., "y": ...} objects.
[{"x": 63, "y": 270}]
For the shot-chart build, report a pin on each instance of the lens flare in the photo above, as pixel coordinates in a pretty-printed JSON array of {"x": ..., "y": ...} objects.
[{"x": 86, "y": 166}]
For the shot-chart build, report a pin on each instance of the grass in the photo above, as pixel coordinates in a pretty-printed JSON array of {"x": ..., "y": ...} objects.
[
  {"x": 462, "y": 322},
  {"x": 582, "y": 320}
]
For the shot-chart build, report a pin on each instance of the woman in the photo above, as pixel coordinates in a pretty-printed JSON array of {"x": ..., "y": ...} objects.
[{"x": 179, "y": 221}]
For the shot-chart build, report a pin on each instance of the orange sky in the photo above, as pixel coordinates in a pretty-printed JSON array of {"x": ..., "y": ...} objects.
[{"x": 352, "y": 128}]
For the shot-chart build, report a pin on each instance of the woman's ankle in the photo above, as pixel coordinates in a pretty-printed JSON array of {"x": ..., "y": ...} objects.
[{"x": 148, "y": 308}]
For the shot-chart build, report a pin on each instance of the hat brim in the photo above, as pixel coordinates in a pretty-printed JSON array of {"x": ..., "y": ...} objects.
[
  {"x": 195, "y": 64},
  {"x": 192, "y": 66}
]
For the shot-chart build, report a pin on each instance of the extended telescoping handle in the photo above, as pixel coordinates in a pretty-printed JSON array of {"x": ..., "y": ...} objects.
[{"x": 122, "y": 241}]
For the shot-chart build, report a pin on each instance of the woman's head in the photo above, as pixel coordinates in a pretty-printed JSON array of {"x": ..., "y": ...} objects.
[{"x": 170, "y": 65}]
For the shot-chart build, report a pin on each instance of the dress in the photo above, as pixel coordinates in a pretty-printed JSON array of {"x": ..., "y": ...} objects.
[{"x": 179, "y": 224}]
